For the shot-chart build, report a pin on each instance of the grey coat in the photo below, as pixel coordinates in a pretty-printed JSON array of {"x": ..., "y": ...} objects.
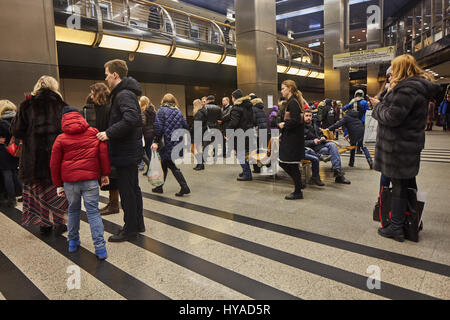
[{"x": 402, "y": 116}]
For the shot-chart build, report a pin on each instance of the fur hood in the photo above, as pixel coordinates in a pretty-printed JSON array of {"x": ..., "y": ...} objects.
[
  {"x": 8, "y": 114},
  {"x": 257, "y": 102},
  {"x": 241, "y": 100}
]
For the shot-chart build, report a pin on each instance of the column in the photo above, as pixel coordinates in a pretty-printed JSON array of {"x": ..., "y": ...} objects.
[
  {"x": 374, "y": 39},
  {"x": 256, "y": 48},
  {"x": 28, "y": 46},
  {"x": 336, "y": 81}
]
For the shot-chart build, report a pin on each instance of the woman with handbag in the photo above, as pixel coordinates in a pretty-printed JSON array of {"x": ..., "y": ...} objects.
[
  {"x": 401, "y": 117},
  {"x": 168, "y": 119},
  {"x": 9, "y": 154},
  {"x": 292, "y": 139},
  {"x": 37, "y": 124}
]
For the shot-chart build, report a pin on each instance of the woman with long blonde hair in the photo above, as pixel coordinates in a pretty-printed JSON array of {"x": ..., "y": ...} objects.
[
  {"x": 198, "y": 146},
  {"x": 168, "y": 119},
  {"x": 401, "y": 119},
  {"x": 37, "y": 124}
]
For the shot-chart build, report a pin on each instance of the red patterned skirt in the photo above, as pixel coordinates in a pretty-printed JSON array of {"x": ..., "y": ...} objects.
[{"x": 41, "y": 203}]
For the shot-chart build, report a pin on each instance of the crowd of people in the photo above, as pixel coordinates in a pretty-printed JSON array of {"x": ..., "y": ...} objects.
[{"x": 66, "y": 155}]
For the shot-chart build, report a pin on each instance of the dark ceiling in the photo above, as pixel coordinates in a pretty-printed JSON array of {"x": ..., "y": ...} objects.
[{"x": 305, "y": 23}]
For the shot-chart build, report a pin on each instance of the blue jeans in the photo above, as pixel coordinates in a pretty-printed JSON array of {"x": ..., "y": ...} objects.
[
  {"x": 87, "y": 189},
  {"x": 314, "y": 158},
  {"x": 331, "y": 149},
  {"x": 11, "y": 182}
]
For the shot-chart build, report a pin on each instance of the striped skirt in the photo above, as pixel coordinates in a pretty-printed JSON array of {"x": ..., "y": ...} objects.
[{"x": 39, "y": 200}]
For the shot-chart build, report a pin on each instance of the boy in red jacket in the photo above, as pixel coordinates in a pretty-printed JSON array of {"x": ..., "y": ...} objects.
[{"x": 78, "y": 159}]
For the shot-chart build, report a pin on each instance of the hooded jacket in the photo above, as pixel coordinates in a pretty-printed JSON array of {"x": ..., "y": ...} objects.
[
  {"x": 353, "y": 124},
  {"x": 363, "y": 106},
  {"x": 77, "y": 154},
  {"x": 401, "y": 119},
  {"x": 241, "y": 114},
  {"x": 125, "y": 124},
  {"x": 37, "y": 124},
  {"x": 259, "y": 116}
]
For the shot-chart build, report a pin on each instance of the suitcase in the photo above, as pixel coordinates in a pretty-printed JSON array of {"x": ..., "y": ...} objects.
[{"x": 413, "y": 222}]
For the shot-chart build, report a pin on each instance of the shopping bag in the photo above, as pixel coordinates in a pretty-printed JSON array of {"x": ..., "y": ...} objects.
[
  {"x": 14, "y": 149},
  {"x": 155, "y": 174}
]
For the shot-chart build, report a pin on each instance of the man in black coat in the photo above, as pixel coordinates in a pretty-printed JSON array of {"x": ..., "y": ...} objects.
[
  {"x": 213, "y": 117},
  {"x": 125, "y": 145},
  {"x": 259, "y": 120},
  {"x": 226, "y": 118},
  {"x": 242, "y": 118},
  {"x": 355, "y": 129},
  {"x": 315, "y": 140}
]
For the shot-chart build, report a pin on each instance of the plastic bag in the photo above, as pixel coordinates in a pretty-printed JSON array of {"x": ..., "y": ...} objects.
[{"x": 155, "y": 174}]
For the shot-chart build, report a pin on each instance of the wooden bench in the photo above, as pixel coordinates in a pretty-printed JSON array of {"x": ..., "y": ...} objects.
[{"x": 330, "y": 137}]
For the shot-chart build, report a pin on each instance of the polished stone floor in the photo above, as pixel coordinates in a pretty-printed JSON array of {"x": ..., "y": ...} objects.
[{"x": 242, "y": 240}]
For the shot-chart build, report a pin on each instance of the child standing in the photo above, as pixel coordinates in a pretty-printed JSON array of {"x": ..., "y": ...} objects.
[{"x": 78, "y": 158}]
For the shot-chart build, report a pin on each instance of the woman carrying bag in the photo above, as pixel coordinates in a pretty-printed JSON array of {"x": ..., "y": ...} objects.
[{"x": 168, "y": 119}]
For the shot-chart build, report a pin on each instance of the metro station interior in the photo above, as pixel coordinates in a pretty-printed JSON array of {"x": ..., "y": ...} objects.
[{"x": 229, "y": 239}]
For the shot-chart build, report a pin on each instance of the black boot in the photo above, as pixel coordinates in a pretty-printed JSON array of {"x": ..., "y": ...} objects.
[
  {"x": 297, "y": 194},
  {"x": 11, "y": 202},
  {"x": 44, "y": 230},
  {"x": 200, "y": 165},
  {"x": 351, "y": 163},
  {"x": 395, "y": 228},
  {"x": 317, "y": 181},
  {"x": 158, "y": 189},
  {"x": 340, "y": 177},
  {"x": 370, "y": 162},
  {"x": 180, "y": 179}
]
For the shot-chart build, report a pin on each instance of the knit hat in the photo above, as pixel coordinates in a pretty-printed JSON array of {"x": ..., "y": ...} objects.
[
  {"x": 389, "y": 71},
  {"x": 237, "y": 94},
  {"x": 68, "y": 109}
]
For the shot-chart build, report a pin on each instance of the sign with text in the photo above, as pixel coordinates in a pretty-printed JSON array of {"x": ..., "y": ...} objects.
[{"x": 363, "y": 57}]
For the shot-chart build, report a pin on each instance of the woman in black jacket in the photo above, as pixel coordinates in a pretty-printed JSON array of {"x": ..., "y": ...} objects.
[
  {"x": 37, "y": 124},
  {"x": 148, "y": 118},
  {"x": 401, "y": 119},
  {"x": 292, "y": 139}
]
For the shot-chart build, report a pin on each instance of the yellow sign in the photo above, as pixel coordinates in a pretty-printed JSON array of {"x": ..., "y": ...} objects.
[{"x": 364, "y": 57}]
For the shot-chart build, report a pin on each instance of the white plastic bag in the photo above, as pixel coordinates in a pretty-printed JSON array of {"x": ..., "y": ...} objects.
[{"x": 155, "y": 174}]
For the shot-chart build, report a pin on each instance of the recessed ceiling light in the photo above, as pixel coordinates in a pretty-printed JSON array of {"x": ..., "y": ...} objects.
[
  {"x": 364, "y": 31},
  {"x": 359, "y": 39},
  {"x": 353, "y": 37}
]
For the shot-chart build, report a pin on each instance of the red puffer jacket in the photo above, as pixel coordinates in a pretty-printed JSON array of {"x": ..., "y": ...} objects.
[{"x": 77, "y": 154}]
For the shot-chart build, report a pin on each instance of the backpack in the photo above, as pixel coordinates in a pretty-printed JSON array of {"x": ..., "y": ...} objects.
[{"x": 359, "y": 108}]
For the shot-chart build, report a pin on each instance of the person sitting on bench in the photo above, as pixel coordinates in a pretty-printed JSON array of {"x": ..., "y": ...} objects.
[{"x": 315, "y": 140}]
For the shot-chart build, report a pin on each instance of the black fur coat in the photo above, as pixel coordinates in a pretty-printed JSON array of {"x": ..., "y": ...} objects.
[{"x": 37, "y": 123}]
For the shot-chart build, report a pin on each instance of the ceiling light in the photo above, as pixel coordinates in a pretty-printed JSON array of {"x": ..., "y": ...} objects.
[
  {"x": 313, "y": 74},
  {"x": 209, "y": 57},
  {"x": 153, "y": 48},
  {"x": 184, "y": 53},
  {"x": 74, "y": 36},
  {"x": 281, "y": 68},
  {"x": 119, "y": 43},
  {"x": 230, "y": 61},
  {"x": 293, "y": 70},
  {"x": 303, "y": 72},
  {"x": 353, "y": 37},
  {"x": 364, "y": 31}
]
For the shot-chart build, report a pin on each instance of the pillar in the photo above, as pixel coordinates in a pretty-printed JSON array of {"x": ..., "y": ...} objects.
[
  {"x": 256, "y": 48},
  {"x": 336, "y": 81},
  {"x": 374, "y": 39},
  {"x": 28, "y": 46}
]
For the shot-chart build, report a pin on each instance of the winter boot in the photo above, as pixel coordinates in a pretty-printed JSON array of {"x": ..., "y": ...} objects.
[
  {"x": 158, "y": 189},
  {"x": 113, "y": 204},
  {"x": 340, "y": 178},
  {"x": 395, "y": 228},
  {"x": 11, "y": 202},
  {"x": 317, "y": 181},
  {"x": 180, "y": 179},
  {"x": 200, "y": 165},
  {"x": 370, "y": 162}
]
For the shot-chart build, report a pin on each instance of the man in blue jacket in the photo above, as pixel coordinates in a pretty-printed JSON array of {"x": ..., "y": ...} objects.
[
  {"x": 444, "y": 110},
  {"x": 125, "y": 145}
]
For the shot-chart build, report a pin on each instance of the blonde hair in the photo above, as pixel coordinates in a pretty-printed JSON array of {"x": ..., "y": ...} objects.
[
  {"x": 46, "y": 82},
  {"x": 197, "y": 105},
  {"x": 144, "y": 102},
  {"x": 6, "y": 105},
  {"x": 170, "y": 98},
  {"x": 294, "y": 90},
  {"x": 404, "y": 67}
]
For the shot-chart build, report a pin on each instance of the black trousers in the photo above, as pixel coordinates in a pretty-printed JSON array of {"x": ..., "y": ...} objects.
[
  {"x": 168, "y": 164},
  {"x": 400, "y": 187},
  {"x": 130, "y": 198},
  {"x": 293, "y": 170}
]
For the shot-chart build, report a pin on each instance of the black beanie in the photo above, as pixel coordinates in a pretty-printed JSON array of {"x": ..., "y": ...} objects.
[
  {"x": 68, "y": 109},
  {"x": 237, "y": 94}
]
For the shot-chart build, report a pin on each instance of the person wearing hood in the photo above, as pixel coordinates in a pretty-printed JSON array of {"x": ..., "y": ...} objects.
[
  {"x": 259, "y": 121},
  {"x": 169, "y": 119},
  {"x": 359, "y": 104},
  {"x": 444, "y": 111},
  {"x": 401, "y": 117},
  {"x": 77, "y": 162},
  {"x": 8, "y": 164},
  {"x": 124, "y": 134},
  {"x": 355, "y": 129},
  {"x": 242, "y": 118},
  {"x": 38, "y": 123}
]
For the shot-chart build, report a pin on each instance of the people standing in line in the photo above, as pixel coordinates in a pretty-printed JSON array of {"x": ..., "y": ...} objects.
[
  {"x": 260, "y": 122},
  {"x": 199, "y": 117},
  {"x": 401, "y": 134},
  {"x": 37, "y": 124},
  {"x": 78, "y": 161},
  {"x": 242, "y": 118},
  {"x": 148, "y": 117},
  {"x": 213, "y": 117},
  {"x": 168, "y": 119},
  {"x": 430, "y": 115},
  {"x": 292, "y": 142},
  {"x": 9, "y": 179},
  {"x": 226, "y": 118},
  {"x": 125, "y": 145},
  {"x": 444, "y": 111},
  {"x": 96, "y": 113}
]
